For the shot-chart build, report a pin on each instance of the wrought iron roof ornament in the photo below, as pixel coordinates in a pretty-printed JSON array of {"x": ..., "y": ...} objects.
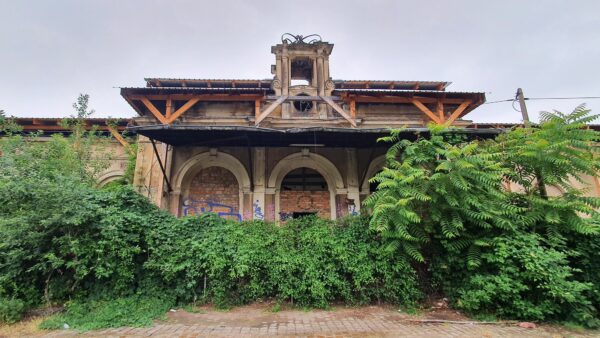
[{"x": 288, "y": 38}]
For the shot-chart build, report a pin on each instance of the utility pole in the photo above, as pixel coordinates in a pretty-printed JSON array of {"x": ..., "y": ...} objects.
[
  {"x": 539, "y": 177},
  {"x": 521, "y": 99}
]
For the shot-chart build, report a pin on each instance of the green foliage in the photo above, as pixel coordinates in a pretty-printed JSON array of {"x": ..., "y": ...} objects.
[
  {"x": 132, "y": 311},
  {"x": 525, "y": 254},
  {"x": 558, "y": 152},
  {"x": 310, "y": 262},
  {"x": 58, "y": 235},
  {"x": 11, "y": 310},
  {"x": 8, "y": 126},
  {"x": 586, "y": 262},
  {"x": 522, "y": 278},
  {"x": 439, "y": 189}
]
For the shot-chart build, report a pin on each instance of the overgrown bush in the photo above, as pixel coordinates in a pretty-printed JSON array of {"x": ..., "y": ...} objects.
[
  {"x": 522, "y": 278},
  {"x": 11, "y": 310},
  {"x": 310, "y": 262}
]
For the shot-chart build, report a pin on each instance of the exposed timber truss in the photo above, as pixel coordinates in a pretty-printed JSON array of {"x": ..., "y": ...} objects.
[{"x": 432, "y": 108}]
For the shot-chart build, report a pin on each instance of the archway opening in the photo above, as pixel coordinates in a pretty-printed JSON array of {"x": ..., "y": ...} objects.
[
  {"x": 304, "y": 192},
  {"x": 373, "y": 185},
  {"x": 213, "y": 189}
]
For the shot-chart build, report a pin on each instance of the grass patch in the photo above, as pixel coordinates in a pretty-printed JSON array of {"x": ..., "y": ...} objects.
[
  {"x": 134, "y": 311},
  {"x": 191, "y": 308},
  {"x": 276, "y": 307}
]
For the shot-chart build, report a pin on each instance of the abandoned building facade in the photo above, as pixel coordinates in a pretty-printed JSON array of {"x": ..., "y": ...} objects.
[{"x": 296, "y": 144}]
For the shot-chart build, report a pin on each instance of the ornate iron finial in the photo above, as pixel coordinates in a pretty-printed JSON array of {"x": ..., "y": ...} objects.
[{"x": 288, "y": 38}]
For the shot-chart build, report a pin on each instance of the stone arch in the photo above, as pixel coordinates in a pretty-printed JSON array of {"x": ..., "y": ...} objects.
[
  {"x": 317, "y": 162},
  {"x": 194, "y": 165},
  {"x": 110, "y": 176},
  {"x": 376, "y": 165}
]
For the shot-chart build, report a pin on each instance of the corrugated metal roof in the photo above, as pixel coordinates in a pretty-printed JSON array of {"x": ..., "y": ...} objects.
[
  {"x": 199, "y": 80},
  {"x": 392, "y": 84},
  {"x": 392, "y": 91},
  {"x": 197, "y": 88},
  {"x": 351, "y": 84},
  {"x": 207, "y": 83}
]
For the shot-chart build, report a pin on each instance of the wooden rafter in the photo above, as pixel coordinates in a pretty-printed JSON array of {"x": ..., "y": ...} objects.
[
  {"x": 256, "y": 108},
  {"x": 269, "y": 109},
  {"x": 120, "y": 138},
  {"x": 169, "y": 108},
  {"x": 154, "y": 110},
  {"x": 183, "y": 109},
  {"x": 339, "y": 110},
  {"x": 440, "y": 110},
  {"x": 457, "y": 112},
  {"x": 353, "y": 109},
  {"x": 426, "y": 111}
]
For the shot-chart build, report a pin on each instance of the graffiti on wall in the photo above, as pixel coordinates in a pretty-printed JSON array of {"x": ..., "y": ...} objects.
[
  {"x": 258, "y": 213},
  {"x": 196, "y": 207},
  {"x": 352, "y": 210},
  {"x": 284, "y": 216}
]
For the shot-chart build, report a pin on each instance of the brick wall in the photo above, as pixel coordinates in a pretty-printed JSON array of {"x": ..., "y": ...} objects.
[
  {"x": 214, "y": 189},
  {"x": 304, "y": 201}
]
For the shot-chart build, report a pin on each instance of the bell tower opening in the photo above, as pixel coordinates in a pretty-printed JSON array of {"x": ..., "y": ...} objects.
[{"x": 301, "y": 71}]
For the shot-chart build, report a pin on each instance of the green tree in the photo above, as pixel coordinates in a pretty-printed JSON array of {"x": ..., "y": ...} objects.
[
  {"x": 561, "y": 150},
  {"x": 440, "y": 187},
  {"x": 442, "y": 201}
]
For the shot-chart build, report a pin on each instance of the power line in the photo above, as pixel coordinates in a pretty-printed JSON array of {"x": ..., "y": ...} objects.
[
  {"x": 548, "y": 98},
  {"x": 563, "y": 98},
  {"x": 500, "y": 101}
]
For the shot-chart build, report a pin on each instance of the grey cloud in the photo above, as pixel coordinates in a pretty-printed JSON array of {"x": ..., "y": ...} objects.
[{"x": 52, "y": 50}]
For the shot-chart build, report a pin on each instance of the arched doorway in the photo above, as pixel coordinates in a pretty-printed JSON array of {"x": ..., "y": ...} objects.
[
  {"x": 374, "y": 167},
  {"x": 213, "y": 189},
  {"x": 217, "y": 180},
  {"x": 303, "y": 192},
  {"x": 316, "y": 162}
]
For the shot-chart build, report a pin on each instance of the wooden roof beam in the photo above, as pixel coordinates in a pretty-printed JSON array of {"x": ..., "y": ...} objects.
[
  {"x": 339, "y": 110},
  {"x": 269, "y": 109},
  {"x": 182, "y": 109},
  {"x": 457, "y": 112},
  {"x": 154, "y": 110},
  {"x": 426, "y": 111},
  {"x": 120, "y": 138}
]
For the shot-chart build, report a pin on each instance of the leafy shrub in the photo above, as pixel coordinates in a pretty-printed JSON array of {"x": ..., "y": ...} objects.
[
  {"x": 521, "y": 278},
  {"x": 309, "y": 261},
  {"x": 11, "y": 310},
  {"x": 77, "y": 240}
]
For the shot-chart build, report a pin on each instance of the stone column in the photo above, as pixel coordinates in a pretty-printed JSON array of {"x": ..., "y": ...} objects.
[
  {"x": 258, "y": 195},
  {"x": 320, "y": 79},
  {"x": 175, "y": 203},
  {"x": 352, "y": 181}
]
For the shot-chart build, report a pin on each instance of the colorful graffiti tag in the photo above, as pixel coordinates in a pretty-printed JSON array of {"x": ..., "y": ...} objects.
[
  {"x": 258, "y": 214},
  {"x": 196, "y": 207}
]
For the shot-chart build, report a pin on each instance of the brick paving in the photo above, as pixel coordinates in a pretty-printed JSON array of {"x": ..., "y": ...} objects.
[{"x": 256, "y": 321}]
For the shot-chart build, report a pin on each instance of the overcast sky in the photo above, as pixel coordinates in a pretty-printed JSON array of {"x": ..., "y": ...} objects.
[{"x": 50, "y": 51}]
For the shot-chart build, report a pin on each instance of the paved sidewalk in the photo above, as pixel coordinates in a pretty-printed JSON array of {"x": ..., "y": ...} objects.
[{"x": 257, "y": 321}]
